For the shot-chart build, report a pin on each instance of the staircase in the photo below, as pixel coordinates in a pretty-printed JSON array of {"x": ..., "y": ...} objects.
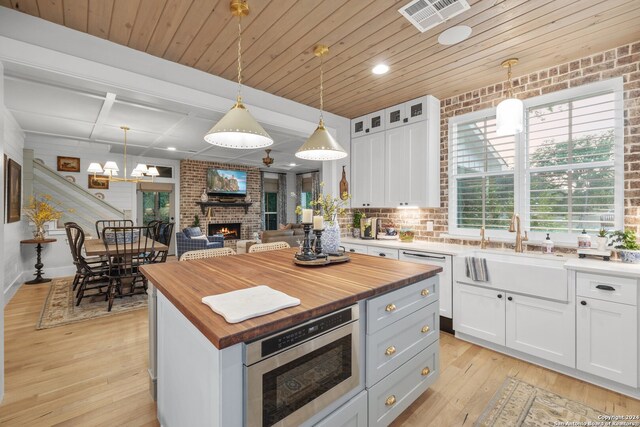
[{"x": 86, "y": 208}]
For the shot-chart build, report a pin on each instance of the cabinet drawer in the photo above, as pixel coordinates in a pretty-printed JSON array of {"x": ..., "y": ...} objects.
[
  {"x": 446, "y": 282},
  {"x": 383, "y": 252},
  {"x": 355, "y": 248},
  {"x": 394, "y": 345},
  {"x": 351, "y": 414},
  {"x": 395, "y": 393},
  {"x": 393, "y": 306},
  {"x": 607, "y": 288}
]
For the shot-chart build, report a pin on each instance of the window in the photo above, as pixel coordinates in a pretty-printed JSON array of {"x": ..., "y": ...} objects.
[
  {"x": 270, "y": 211},
  {"x": 563, "y": 174}
]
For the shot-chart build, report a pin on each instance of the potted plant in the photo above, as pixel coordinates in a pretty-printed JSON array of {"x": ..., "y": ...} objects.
[
  {"x": 602, "y": 240},
  {"x": 357, "y": 217},
  {"x": 627, "y": 245},
  {"x": 40, "y": 210},
  {"x": 196, "y": 221}
]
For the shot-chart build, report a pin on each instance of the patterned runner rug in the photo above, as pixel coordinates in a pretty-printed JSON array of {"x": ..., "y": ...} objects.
[
  {"x": 60, "y": 308},
  {"x": 520, "y": 404}
]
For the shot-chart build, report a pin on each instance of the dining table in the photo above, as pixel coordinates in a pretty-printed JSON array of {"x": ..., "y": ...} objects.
[{"x": 95, "y": 247}]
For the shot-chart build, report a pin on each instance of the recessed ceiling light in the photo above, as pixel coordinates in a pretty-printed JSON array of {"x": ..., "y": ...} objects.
[
  {"x": 454, "y": 35},
  {"x": 380, "y": 69},
  {"x": 292, "y": 164},
  {"x": 171, "y": 148}
]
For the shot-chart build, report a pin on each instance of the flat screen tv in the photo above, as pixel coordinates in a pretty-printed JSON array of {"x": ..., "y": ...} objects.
[{"x": 222, "y": 182}]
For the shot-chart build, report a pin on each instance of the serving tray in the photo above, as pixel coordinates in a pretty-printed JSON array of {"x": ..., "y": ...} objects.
[{"x": 330, "y": 259}]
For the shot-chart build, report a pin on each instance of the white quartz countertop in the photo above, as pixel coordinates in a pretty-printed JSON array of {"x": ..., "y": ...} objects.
[{"x": 572, "y": 262}]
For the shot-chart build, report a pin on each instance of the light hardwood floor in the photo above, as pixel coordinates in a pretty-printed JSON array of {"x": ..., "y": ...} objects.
[{"x": 94, "y": 373}]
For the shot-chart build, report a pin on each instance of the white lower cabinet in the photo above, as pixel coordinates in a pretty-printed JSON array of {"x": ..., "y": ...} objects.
[
  {"x": 383, "y": 252},
  {"x": 351, "y": 414},
  {"x": 354, "y": 249},
  {"x": 480, "y": 312},
  {"x": 542, "y": 328},
  {"x": 607, "y": 340}
]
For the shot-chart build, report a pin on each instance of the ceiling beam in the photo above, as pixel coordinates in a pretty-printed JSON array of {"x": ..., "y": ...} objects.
[{"x": 109, "y": 99}]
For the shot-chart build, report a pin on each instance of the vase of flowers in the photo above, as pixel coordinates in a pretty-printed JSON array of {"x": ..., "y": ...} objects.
[
  {"x": 40, "y": 210},
  {"x": 330, "y": 208}
]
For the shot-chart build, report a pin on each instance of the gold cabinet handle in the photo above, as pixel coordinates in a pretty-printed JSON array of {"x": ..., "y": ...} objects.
[
  {"x": 424, "y": 292},
  {"x": 391, "y": 400},
  {"x": 425, "y": 329},
  {"x": 425, "y": 372},
  {"x": 390, "y": 350},
  {"x": 389, "y": 308}
]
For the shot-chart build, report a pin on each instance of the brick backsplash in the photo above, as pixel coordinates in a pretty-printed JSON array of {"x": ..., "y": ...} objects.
[
  {"x": 622, "y": 61},
  {"x": 193, "y": 177}
]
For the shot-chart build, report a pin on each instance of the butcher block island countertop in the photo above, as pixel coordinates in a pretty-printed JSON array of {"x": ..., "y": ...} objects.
[{"x": 321, "y": 290}]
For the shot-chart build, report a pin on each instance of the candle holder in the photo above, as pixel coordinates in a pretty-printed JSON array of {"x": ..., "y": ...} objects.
[
  {"x": 307, "y": 253},
  {"x": 318, "y": 247}
]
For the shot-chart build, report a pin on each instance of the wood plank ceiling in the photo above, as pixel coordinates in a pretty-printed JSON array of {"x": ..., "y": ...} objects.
[{"x": 279, "y": 36}]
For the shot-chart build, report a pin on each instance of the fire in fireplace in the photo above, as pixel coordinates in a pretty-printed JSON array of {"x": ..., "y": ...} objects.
[{"x": 230, "y": 230}]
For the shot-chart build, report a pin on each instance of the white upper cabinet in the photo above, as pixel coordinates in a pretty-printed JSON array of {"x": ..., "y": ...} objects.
[{"x": 406, "y": 171}]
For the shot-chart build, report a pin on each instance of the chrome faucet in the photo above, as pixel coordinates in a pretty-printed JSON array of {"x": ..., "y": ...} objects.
[
  {"x": 483, "y": 241},
  {"x": 515, "y": 227}
]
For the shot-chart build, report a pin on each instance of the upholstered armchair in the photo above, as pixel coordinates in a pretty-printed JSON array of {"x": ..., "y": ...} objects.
[{"x": 192, "y": 239}]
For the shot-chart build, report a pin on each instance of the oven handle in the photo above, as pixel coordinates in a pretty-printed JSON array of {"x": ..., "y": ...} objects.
[{"x": 424, "y": 256}]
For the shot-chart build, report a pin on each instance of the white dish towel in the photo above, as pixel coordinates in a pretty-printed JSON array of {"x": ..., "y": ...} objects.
[{"x": 244, "y": 304}]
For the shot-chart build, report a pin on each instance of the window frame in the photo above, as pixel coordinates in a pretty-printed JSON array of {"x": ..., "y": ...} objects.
[{"x": 521, "y": 166}]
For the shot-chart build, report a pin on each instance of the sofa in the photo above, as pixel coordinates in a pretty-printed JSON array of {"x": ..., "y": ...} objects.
[
  {"x": 291, "y": 235},
  {"x": 190, "y": 239}
]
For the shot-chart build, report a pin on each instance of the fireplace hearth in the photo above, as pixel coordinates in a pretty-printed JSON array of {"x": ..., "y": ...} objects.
[{"x": 230, "y": 230}]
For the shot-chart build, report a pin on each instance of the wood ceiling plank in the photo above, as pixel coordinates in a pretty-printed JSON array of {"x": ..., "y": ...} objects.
[
  {"x": 51, "y": 10},
  {"x": 250, "y": 34},
  {"x": 294, "y": 30},
  {"x": 373, "y": 20},
  {"x": 486, "y": 24},
  {"x": 124, "y": 17},
  {"x": 99, "y": 20},
  {"x": 172, "y": 15},
  {"x": 189, "y": 27},
  {"x": 533, "y": 57},
  {"x": 145, "y": 24},
  {"x": 209, "y": 34},
  {"x": 76, "y": 13},
  {"x": 227, "y": 37},
  {"x": 565, "y": 20},
  {"x": 26, "y": 6}
]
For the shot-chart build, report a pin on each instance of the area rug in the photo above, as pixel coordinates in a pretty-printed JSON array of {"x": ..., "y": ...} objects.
[
  {"x": 60, "y": 309},
  {"x": 520, "y": 404}
]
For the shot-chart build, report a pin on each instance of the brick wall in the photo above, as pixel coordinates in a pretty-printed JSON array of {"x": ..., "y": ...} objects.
[
  {"x": 622, "y": 61},
  {"x": 193, "y": 176}
]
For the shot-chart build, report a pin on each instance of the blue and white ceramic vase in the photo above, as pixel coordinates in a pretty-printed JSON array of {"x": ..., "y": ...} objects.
[
  {"x": 331, "y": 237},
  {"x": 629, "y": 256}
]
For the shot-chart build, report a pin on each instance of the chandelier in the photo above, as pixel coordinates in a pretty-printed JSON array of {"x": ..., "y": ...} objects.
[
  {"x": 238, "y": 128},
  {"x": 109, "y": 172}
]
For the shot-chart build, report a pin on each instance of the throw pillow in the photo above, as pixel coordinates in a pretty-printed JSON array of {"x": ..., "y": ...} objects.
[
  {"x": 284, "y": 227},
  {"x": 193, "y": 232},
  {"x": 200, "y": 237}
]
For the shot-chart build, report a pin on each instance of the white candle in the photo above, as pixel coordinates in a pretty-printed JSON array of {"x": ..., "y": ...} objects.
[
  {"x": 307, "y": 216},
  {"x": 318, "y": 222}
]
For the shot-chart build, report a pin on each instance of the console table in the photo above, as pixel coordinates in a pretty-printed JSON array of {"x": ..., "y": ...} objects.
[{"x": 39, "y": 264}]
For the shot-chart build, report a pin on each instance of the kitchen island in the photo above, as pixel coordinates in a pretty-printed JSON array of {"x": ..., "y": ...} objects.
[{"x": 201, "y": 359}]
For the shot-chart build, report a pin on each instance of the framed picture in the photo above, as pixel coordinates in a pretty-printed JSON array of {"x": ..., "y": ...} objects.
[
  {"x": 98, "y": 183},
  {"x": 14, "y": 191},
  {"x": 68, "y": 164}
]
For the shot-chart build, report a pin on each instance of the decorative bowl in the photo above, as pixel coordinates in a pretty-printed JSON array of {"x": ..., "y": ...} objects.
[
  {"x": 406, "y": 235},
  {"x": 123, "y": 237},
  {"x": 629, "y": 256}
]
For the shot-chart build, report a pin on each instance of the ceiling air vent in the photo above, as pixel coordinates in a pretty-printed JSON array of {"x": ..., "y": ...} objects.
[{"x": 425, "y": 14}]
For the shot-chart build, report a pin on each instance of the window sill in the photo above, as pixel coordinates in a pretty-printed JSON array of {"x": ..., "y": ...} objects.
[{"x": 535, "y": 242}]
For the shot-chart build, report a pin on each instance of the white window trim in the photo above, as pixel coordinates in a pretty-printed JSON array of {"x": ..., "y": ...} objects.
[{"x": 521, "y": 188}]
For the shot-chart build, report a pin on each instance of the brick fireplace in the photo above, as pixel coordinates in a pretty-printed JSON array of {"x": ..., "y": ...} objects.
[
  {"x": 193, "y": 175},
  {"x": 230, "y": 230}
]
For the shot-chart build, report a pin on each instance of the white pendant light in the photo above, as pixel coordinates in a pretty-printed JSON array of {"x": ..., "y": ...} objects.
[
  {"x": 321, "y": 145},
  {"x": 238, "y": 128},
  {"x": 510, "y": 112},
  {"x": 94, "y": 168}
]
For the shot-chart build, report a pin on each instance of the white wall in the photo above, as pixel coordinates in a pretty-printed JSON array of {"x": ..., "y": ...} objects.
[
  {"x": 16, "y": 256},
  {"x": 2, "y": 234}
]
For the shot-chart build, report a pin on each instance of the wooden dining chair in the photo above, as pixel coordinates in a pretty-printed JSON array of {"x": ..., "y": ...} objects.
[
  {"x": 101, "y": 224},
  {"x": 127, "y": 249},
  {"x": 163, "y": 234},
  {"x": 207, "y": 253},
  {"x": 90, "y": 274},
  {"x": 264, "y": 247}
]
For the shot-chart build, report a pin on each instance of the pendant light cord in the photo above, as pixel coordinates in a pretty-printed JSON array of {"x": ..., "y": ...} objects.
[
  {"x": 509, "y": 86},
  {"x": 239, "y": 96},
  {"x": 125, "y": 152},
  {"x": 321, "y": 89}
]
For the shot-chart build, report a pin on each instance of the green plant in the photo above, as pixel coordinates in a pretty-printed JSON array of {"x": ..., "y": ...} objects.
[
  {"x": 329, "y": 207},
  {"x": 602, "y": 233},
  {"x": 625, "y": 240},
  {"x": 196, "y": 221},
  {"x": 357, "y": 217}
]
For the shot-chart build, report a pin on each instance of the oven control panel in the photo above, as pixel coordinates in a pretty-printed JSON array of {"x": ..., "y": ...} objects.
[{"x": 302, "y": 333}]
